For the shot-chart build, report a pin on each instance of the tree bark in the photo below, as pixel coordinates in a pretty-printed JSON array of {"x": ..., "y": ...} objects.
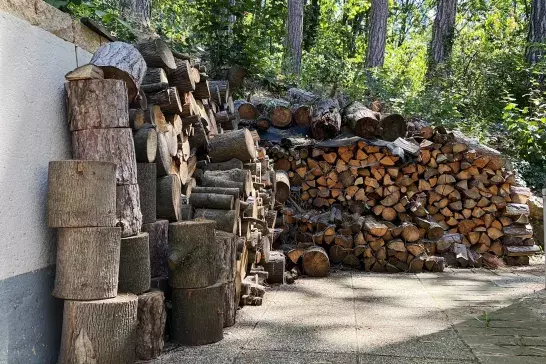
[
  {"x": 197, "y": 315},
  {"x": 81, "y": 194},
  {"x": 202, "y": 90},
  {"x": 294, "y": 36},
  {"x": 151, "y": 325},
  {"x": 156, "y": 53},
  {"x": 89, "y": 326},
  {"x": 282, "y": 187},
  {"x": 134, "y": 264},
  {"x": 145, "y": 145},
  {"x": 97, "y": 104},
  {"x": 121, "y": 61},
  {"x": 375, "y": 54},
  {"x": 181, "y": 77},
  {"x": 233, "y": 178},
  {"x": 224, "y": 166},
  {"x": 169, "y": 191},
  {"x": 158, "y": 239},
  {"x": 108, "y": 145},
  {"x": 325, "y": 120},
  {"x": 163, "y": 157},
  {"x": 147, "y": 175},
  {"x": 235, "y": 144},
  {"x": 537, "y": 32},
  {"x": 230, "y": 303},
  {"x": 362, "y": 121},
  {"x": 235, "y": 192},
  {"x": 226, "y": 220},
  {"x": 443, "y": 33},
  {"x": 246, "y": 110},
  {"x": 129, "y": 216},
  {"x": 211, "y": 201},
  {"x": 393, "y": 126},
  {"x": 87, "y": 263}
]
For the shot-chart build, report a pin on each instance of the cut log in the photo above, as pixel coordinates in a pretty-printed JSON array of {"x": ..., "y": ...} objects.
[
  {"x": 362, "y": 121},
  {"x": 151, "y": 325},
  {"x": 393, "y": 126},
  {"x": 246, "y": 110},
  {"x": 155, "y": 80},
  {"x": 282, "y": 187},
  {"x": 315, "y": 262},
  {"x": 85, "y": 72},
  {"x": 224, "y": 166},
  {"x": 145, "y": 145},
  {"x": 325, "y": 119},
  {"x": 81, "y": 194},
  {"x": 146, "y": 175},
  {"x": 169, "y": 191},
  {"x": 87, "y": 263},
  {"x": 301, "y": 114},
  {"x": 233, "y": 178},
  {"x": 202, "y": 90},
  {"x": 97, "y": 104},
  {"x": 410, "y": 233},
  {"x": 89, "y": 326},
  {"x": 129, "y": 215},
  {"x": 197, "y": 315},
  {"x": 299, "y": 96},
  {"x": 121, "y": 61},
  {"x": 494, "y": 157},
  {"x": 156, "y": 53},
  {"x": 144, "y": 118},
  {"x": 230, "y": 303},
  {"x": 163, "y": 159},
  {"x": 236, "y": 144},
  {"x": 181, "y": 76},
  {"x": 226, "y": 220},
  {"x": 212, "y": 201},
  {"x": 375, "y": 228},
  {"x": 223, "y": 91},
  {"x": 158, "y": 246},
  {"x": 235, "y": 192},
  {"x": 108, "y": 145},
  {"x": 134, "y": 264}
]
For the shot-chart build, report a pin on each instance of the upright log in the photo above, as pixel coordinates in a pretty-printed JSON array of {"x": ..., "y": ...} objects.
[
  {"x": 156, "y": 53},
  {"x": 197, "y": 315},
  {"x": 226, "y": 220},
  {"x": 236, "y": 144},
  {"x": 325, "y": 120},
  {"x": 108, "y": 145},
  {"x": 121, "y": 61},
  {"x": 212, "y": 201},
  {"x": 315, "y": 262},
  {"x": 145, "y": 145},
  {"x": 169, "y": 191},
  {"x": 81, "y": 194},
  {"x": 151, "y": 325},
  {"x": 87, "y": 263},
  {"x": 134, "y": 264},
  {"x": 129, "y": 216},
  {"x": 158, "y": 236},
  {"x": 230, "y": 303},
  {"x": 147, "y": 175},
  {"x": 89, "y": 326},
  {"x": 97, "y": 104}
]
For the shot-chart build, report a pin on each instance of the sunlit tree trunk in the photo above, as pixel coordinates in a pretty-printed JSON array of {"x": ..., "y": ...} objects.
[
  {"x": 294, "y": 36},
  {"x": 537, "y": 32},
  {"x": 137, "y": 12},
  {"x": 375, "y": 55},
  {"x": 443, "y": 33}
]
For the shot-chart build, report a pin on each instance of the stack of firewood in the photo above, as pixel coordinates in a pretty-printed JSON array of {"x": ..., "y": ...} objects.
[{"x": 433, "y": 193}]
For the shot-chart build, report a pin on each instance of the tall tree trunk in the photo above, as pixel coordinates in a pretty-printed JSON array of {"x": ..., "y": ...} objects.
[
  {"x": 378, "y": 33},
  {"x": 537, "y": 32},
  {"x": 138, "y": 12},
  {"x": 311, "y": 22},
  {"x": 294, "y": 36},
  {"x": 443, "y": 33}
]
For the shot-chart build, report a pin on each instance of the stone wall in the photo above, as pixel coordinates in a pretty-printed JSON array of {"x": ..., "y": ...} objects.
[{"x": 38, "y": 46}]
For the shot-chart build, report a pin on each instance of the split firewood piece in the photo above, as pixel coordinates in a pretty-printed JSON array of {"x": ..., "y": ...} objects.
[
  {"x": 145, "y": 145},
  {"x": 108, "y": 145},
  {"x": 315, "y": 262},
  {"x": 85, "y": 72},
  {"x": 98, "y": 321},
  {"x": 519, "y": 194},
  {"x": 375, "y": 228},
  {"x": 134, "y": 264},
  {"x": 212, "y": 201},
  {"x": 169, "y": 191},
  {"x": 97, "y": 104},
  {"x": 447, "y": 242},
  {"x": 197, "y": 315},
  {"x": 516, "y": 209},
  {"x": 410, "y": 232},
  {"x": 97, "y": 279},
  {"x": 128, "y": 211},
  {"x": 363, "y": 121},
  {"x": 156, "y": 53},
  {"x": 226, "y": 220},
  {"x": 181, "y": 76},
  {"x": 70, "y": 183},
  {"x": 121, "y": 61},
  {"x": 235, "y": 144},
  {"x": 152, "y": 317}
]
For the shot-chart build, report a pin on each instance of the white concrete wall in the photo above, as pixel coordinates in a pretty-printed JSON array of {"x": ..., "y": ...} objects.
[{"x": 33, "y": 132}]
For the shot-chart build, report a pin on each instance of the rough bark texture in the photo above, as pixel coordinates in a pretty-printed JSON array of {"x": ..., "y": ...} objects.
[
  {"x": 282, "y": 187},
  {"x": 361, "y": 120},
  {"x": 325, "y": 120},
  {"x": 147, "y": 175},
  {"x": 90, "y": 326},
  {"x": 443, "y": 32},
  {"x": 151, "y": 325},
  {"x": 108, "y": 145},
  {"x": 393, "y": 126},
  {"x": 134, "y": 264},
  {"x": 156, "y": 53},
  {"x": 163, "y": 157},
  {"x": 202, "y": 90},
  {"x": 181, "y": 76},
  {"x": 169, "y": 191},
  {"x": 87, "y": 263},
  {"x": 226, "y": 220},
  {"x": 121, "y": 61},
  {"x": 199, "y": 139},
  {"x": 235, "y": 192},
  {"x": 198, "y": 317},
  {"x": 223, "y": 166},
  {"x": 94, "y": 104},
  {"x": 299, "y": 96},
  {"x": 230, "y": 303},
  {"x": 294, "y": 35},
  {"x": 137, "y": 12},
  {"x": 237, "y": 178},
  {"x": 236, "y": 144},
  {"x": 158, "y": 235},
  {"x": 377, "y": 36},
  {"x": 275, "y": 267},
  {"x": 315, "y": 262},
  {"x": 129, "y": 216},
  {"x": 195, "y": 259},
  {"x": 81, "y": 194},
  {"x": 223, "y": 91},
  {"x": 145, "y": 145},
  {"x": 155, "y": 76},
  {"x": 537, "y": 32},
  {"x": 212, "y": 201}
]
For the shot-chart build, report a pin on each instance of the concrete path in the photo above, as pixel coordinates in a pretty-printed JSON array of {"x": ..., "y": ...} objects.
[{"x": 459, "y": 316}]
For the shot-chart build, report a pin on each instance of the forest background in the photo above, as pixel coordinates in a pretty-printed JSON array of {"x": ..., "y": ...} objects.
[{"x": 473, "y": 65}]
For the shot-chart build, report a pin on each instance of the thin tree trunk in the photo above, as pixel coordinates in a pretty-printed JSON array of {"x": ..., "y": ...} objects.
[
  {"x": 443, "y": 33},
  {"x": 294, "y": 36},
  {"x": 375, "y": 55},
  {"x": 537, "y": 32}
]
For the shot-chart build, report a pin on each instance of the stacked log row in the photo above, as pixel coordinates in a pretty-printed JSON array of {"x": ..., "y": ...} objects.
[{"x": 450, "y": 185}]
